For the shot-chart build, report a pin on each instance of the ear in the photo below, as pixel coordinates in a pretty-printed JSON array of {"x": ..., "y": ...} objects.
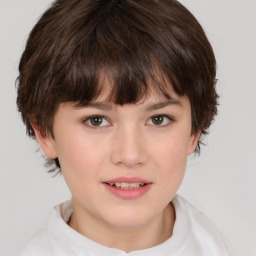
[
  {"x": 46, "y": 142},
  {"x": 193, "y": 142}
]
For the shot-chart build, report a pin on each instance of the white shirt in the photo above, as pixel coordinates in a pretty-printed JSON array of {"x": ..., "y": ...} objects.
[{"x": 193, "y": 235}]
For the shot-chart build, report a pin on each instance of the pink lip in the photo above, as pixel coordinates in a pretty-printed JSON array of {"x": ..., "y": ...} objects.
[
  {"x": 127, "y": 193},
  {"x": 128, "y": 180}
]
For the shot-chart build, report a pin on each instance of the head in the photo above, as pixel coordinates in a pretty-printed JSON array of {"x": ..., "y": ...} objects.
[
  {"x": 121, "y": 51},
  {"x": 118, "y": 93}
]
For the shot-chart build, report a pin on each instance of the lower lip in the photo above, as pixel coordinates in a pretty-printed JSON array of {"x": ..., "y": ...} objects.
[{"x": 127, "y": 193}]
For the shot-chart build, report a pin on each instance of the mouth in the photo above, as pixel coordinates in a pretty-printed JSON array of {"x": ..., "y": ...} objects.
[
  {"x": 127, "y": 188},
  {"x": 126, "y": 185}
]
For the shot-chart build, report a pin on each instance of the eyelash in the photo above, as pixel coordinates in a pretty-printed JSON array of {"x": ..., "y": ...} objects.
[
  {"x": 169, "y": 118},
  {"x": 89, "y": 119}
]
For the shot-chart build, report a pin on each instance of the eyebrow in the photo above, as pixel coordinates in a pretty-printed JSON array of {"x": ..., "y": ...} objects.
[
  {"x": 150, "y": 107},
  {"x": 99, "y": 105},
  {"x": 160, "y": 105}
]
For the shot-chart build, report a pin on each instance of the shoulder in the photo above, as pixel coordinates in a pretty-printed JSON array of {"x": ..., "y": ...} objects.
[
  {"x": 198, "y": 229},
  {"x": 38, "y": 245},
  {"x": 48, "y": 241}
]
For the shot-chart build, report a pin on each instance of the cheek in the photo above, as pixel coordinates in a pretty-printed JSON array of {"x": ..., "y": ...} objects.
[
  {"x": 173, "y": 148},
  {"x": 80, "y": 166},
  {"x": 171, "y": 158},
  {"x": 80, "y": 156}
]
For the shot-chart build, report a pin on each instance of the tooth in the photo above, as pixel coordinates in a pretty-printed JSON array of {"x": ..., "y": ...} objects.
[
  {"x": 134, "y": 185},
  {"x": 125, "y": 185},
  {"x": 118, "y": 185}
]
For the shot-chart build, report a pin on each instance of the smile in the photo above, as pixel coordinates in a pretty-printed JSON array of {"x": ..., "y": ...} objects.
[
  {"x": 125, "y": 185},
  {"x": 127, "y": 188}
]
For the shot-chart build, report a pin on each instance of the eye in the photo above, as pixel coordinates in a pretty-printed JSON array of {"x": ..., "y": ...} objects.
[
  {"x": 97, "y": 121},
  {"x": 160, "y": 120}
]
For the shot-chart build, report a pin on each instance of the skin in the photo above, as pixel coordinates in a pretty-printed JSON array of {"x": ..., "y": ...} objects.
[{"x": 128, "y": 143}]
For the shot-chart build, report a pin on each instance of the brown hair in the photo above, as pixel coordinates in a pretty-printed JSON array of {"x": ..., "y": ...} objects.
[{"x": 130, "y": 42}]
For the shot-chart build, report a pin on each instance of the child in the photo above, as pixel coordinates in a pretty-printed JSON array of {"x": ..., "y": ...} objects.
[{"x": 117, "y": 94}]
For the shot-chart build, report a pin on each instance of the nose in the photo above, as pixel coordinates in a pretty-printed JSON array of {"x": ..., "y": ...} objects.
[{"x": 129, "y": 148}]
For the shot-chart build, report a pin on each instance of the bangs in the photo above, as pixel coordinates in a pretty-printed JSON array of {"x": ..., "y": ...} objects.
[{"x": 119, "y": 83}]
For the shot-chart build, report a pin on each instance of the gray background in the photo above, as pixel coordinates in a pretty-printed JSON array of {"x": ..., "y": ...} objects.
[{"x": 221, "y": 182}]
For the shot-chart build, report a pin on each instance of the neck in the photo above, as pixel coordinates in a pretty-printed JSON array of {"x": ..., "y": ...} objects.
[{"x": 127, "y": 239}]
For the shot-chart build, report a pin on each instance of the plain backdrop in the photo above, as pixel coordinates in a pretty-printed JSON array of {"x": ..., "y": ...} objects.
[{"x": 221, "y": 182}]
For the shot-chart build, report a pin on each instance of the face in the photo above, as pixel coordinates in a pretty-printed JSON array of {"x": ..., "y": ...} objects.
[{"x": 118, "y": 161}]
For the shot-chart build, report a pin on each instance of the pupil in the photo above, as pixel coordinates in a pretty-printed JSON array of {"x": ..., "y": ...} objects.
[
  {"x": 96, "y": 121},
  {"x": 157, "y": 120}
]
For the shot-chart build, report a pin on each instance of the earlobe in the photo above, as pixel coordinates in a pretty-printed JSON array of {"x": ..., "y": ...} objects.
[
  {"x": 46, "y": 142},
  {"x": 193, "y": 142}
]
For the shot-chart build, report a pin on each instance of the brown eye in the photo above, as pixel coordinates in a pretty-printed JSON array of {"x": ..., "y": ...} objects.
[
  {"x": 160, "y": 120},
  {"x": 96, "y": 120},
  {"x": 157, "y": 120}
]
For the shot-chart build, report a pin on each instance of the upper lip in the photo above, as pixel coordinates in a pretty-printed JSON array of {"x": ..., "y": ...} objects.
[{"x": 128, "y": 180}]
